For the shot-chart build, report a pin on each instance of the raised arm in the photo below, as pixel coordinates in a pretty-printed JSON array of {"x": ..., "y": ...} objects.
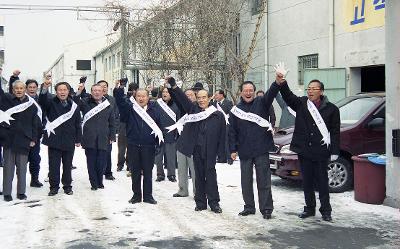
[{"x": 179, "y": 96}]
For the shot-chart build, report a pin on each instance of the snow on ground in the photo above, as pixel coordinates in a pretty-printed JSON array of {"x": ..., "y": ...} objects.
[{"x": 105, "y": 219}]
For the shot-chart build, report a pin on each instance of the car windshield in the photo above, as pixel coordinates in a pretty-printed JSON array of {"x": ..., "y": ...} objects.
[{"x": 352, "y": 110}]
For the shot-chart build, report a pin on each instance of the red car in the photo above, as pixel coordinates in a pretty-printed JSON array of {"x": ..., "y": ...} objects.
[{"x": 362, "y": 131}]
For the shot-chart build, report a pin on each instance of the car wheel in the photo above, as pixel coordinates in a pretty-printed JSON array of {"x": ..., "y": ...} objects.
[{"x": 340, "y": 175}]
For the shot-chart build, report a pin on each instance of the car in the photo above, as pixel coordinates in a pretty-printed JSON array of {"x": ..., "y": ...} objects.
[{"x": 362, "y": 131}]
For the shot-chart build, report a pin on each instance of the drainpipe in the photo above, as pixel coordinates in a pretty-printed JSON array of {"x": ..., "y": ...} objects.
[
  {"x": 331, "y": 7},
  {"x": 266, "y": 53}
]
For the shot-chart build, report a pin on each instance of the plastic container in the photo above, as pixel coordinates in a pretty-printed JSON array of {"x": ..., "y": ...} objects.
[{"x": 369, "y": 181}]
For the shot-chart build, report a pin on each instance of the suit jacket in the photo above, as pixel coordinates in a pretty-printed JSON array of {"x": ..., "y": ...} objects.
[
  {"x": 68, "y": 133},
  {"x": 226, "y": 105},
  {"x": 307, "y": 138},
  {"x": 23, "y": 129}
]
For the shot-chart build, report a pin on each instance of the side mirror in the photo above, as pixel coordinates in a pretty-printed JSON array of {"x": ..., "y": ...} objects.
[{"x": 376, "y": 123}]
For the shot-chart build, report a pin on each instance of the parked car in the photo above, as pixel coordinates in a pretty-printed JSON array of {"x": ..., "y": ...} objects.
[{"x": 362, "y": 131}]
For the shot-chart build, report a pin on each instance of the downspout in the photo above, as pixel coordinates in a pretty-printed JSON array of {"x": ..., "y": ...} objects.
[
  {"x": 331, "y": 7},
  {"x": 266, "y": 52}
]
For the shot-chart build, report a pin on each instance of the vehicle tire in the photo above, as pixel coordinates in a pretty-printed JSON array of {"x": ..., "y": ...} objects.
[{"x": 340, "y": 175}]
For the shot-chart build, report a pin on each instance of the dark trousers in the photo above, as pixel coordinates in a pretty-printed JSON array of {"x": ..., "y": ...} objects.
[
  {"x": 206, "y": 181},
  {"x": 263, "y": 178},
  {"x": 122, "y": 145},
  {"x": 315, "y": 173},
  {"x": 55, "y": 158},
  {"x": 96, "y": 163},
  {"x": 34, "y": 160},
  {"x": 108, "y": 171},
  {"x": 141, "y": 158}
]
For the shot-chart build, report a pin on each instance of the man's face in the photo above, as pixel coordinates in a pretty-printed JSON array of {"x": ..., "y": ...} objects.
[
  {"x": 165, "y": 95},
  {"x": 105, "y": 88},
  {"x": 97, "y": 92},
  {"x": 314, "y": 91},
  {"x": 202, "y": 99},
  {"x": 142, "y": 97},
  {"x": 247, "y": 93},
  {"x": 19, "y": 90},
  {"x": 218, "y": 96},
  {"x": 32, "y": 89},
  {"x": 191, "y": 95},
  {"x": 62, "y": 92}
]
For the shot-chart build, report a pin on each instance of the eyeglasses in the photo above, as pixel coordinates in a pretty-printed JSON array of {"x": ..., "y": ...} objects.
[{"x": 313, "y": 89}]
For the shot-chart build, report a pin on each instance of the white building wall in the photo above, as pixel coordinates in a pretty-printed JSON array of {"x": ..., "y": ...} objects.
[{"x": 392, "y": 99}]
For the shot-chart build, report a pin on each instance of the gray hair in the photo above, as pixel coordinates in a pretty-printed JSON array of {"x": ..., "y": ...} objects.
[{"x": 18, "y": 82}]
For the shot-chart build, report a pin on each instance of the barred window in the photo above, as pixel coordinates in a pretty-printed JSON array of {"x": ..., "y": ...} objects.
[
  {"x": 255, "y": 6},
  {"x": 306, "y": 61}
]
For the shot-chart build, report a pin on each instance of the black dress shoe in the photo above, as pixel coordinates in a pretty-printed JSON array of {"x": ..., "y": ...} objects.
[
  {"x": 172, "y": 178},
  {"x": 1, "y": 192},
  {"x": 120, "y": 167},
  {"x": 73, "y": 167},
  {"x": 101, "y": 186},
  {"x": 150, "y": 201},
  {"x": 53, "y": 192},
  {"x": 327, "y": 217},
  {"x": 22, "y": 196},
  {"x": 68, "y": 192},
  {"x": 110, "y": 177},
  {"x": 267, "y": 215},
  {"x": 160, "y": 178},
  {"x": 306, "y": 214},
  {"x": 93, "y": 188},
  {"x": 8, "y": 198},
  {"x": 246, "y": 212},
  {"x": 179, "y": 195},
  {"x": 216, "y": 209},
  {"x": 35, "y": 183},
  {"x": 135, "y": 199},
  {"x": 197, "y": 208}
]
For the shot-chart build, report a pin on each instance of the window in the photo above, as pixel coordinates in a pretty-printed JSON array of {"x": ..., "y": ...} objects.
[
  {"x": 113, "y": 61},
  {"x": 83, "y": 65},
  {"x": 353, "y": 111},
  {"x": 109, "y": 63},
  {"x": 255, "y": 6},
  {"x": 236, "y": 43},
  {"x": 105, "y": 65},
  {"x": 119, "y": 59},
  {"x": 1, "y": 30},
  {"x": 1, "y": 57},
  {"x": 307, "y": 61}
]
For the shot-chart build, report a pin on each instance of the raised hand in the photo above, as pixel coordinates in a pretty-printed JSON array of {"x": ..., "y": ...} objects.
[{"x": 281, "y": 72}]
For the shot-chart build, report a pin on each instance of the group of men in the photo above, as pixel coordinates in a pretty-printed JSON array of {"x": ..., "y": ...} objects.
[{"x": 183, "y": 129}]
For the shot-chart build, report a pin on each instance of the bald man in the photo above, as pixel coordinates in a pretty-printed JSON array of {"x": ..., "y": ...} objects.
[{"x": 204, "y": 139}]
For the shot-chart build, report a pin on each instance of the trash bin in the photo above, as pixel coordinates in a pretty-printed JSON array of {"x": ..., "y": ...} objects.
[{"x": 369, "y": 181}]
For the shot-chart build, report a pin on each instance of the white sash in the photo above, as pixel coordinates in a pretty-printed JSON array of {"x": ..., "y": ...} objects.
[
  {"x": 39, "y": 110},
  {"x": 103, "y": 105},
  {"x": 147, "y": 119},
  {"x": 291, "y": 111},
  {"x": 251, "y": 117},
  {"x": 6, "y": 116},
  {"x": 319, "y": 121},
  {"x": 167, "y": 109},
  {"x": 191, "y": 118},
  {"x": 51, "y": 126},
  {"x": 226, "y": 116}
]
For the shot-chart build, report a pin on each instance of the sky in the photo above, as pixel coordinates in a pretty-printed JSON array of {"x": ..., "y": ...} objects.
[{"x": 35, "y": 39}]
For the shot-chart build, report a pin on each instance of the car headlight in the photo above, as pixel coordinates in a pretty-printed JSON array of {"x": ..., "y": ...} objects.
[{"x": 286, "y": 150}]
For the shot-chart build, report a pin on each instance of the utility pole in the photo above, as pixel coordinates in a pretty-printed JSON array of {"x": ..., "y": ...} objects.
[{"x": 124, "y": 45}]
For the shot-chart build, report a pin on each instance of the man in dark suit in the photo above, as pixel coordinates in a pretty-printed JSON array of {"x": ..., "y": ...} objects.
[
  {"x": 108, "y": 171},
  {"x": 142, "y": 119},
  {"x": 62, "y": 135},
  {"x": 204, "y": 138},
  {"x": 251, "y": 139},
  {"x": 98, "y": 132},
  {"x": 226, "y": 105},
  {"x": 316, "y": 140}
]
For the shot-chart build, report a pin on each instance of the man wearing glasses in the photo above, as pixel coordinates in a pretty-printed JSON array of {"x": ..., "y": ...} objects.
[{"x": 316, "y": 140}]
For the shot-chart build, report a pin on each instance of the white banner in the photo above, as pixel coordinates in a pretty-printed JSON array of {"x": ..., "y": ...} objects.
[
  {"x": 5, "y": 116},
  {"x": 103, "y": 105},
  {"x": 147, "y": 119},
  {"x": 167, "y": 109},
  {"x": 51, "y": 126},
  {"x": 39, "y": 110},
  {"x": 291, "y": 111},
  {"x": 226, "y": 116},
  {"x": 319, "y": 121},
  {"x": 251, "y": 117},
  {"x": 191, "y": 118}
]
